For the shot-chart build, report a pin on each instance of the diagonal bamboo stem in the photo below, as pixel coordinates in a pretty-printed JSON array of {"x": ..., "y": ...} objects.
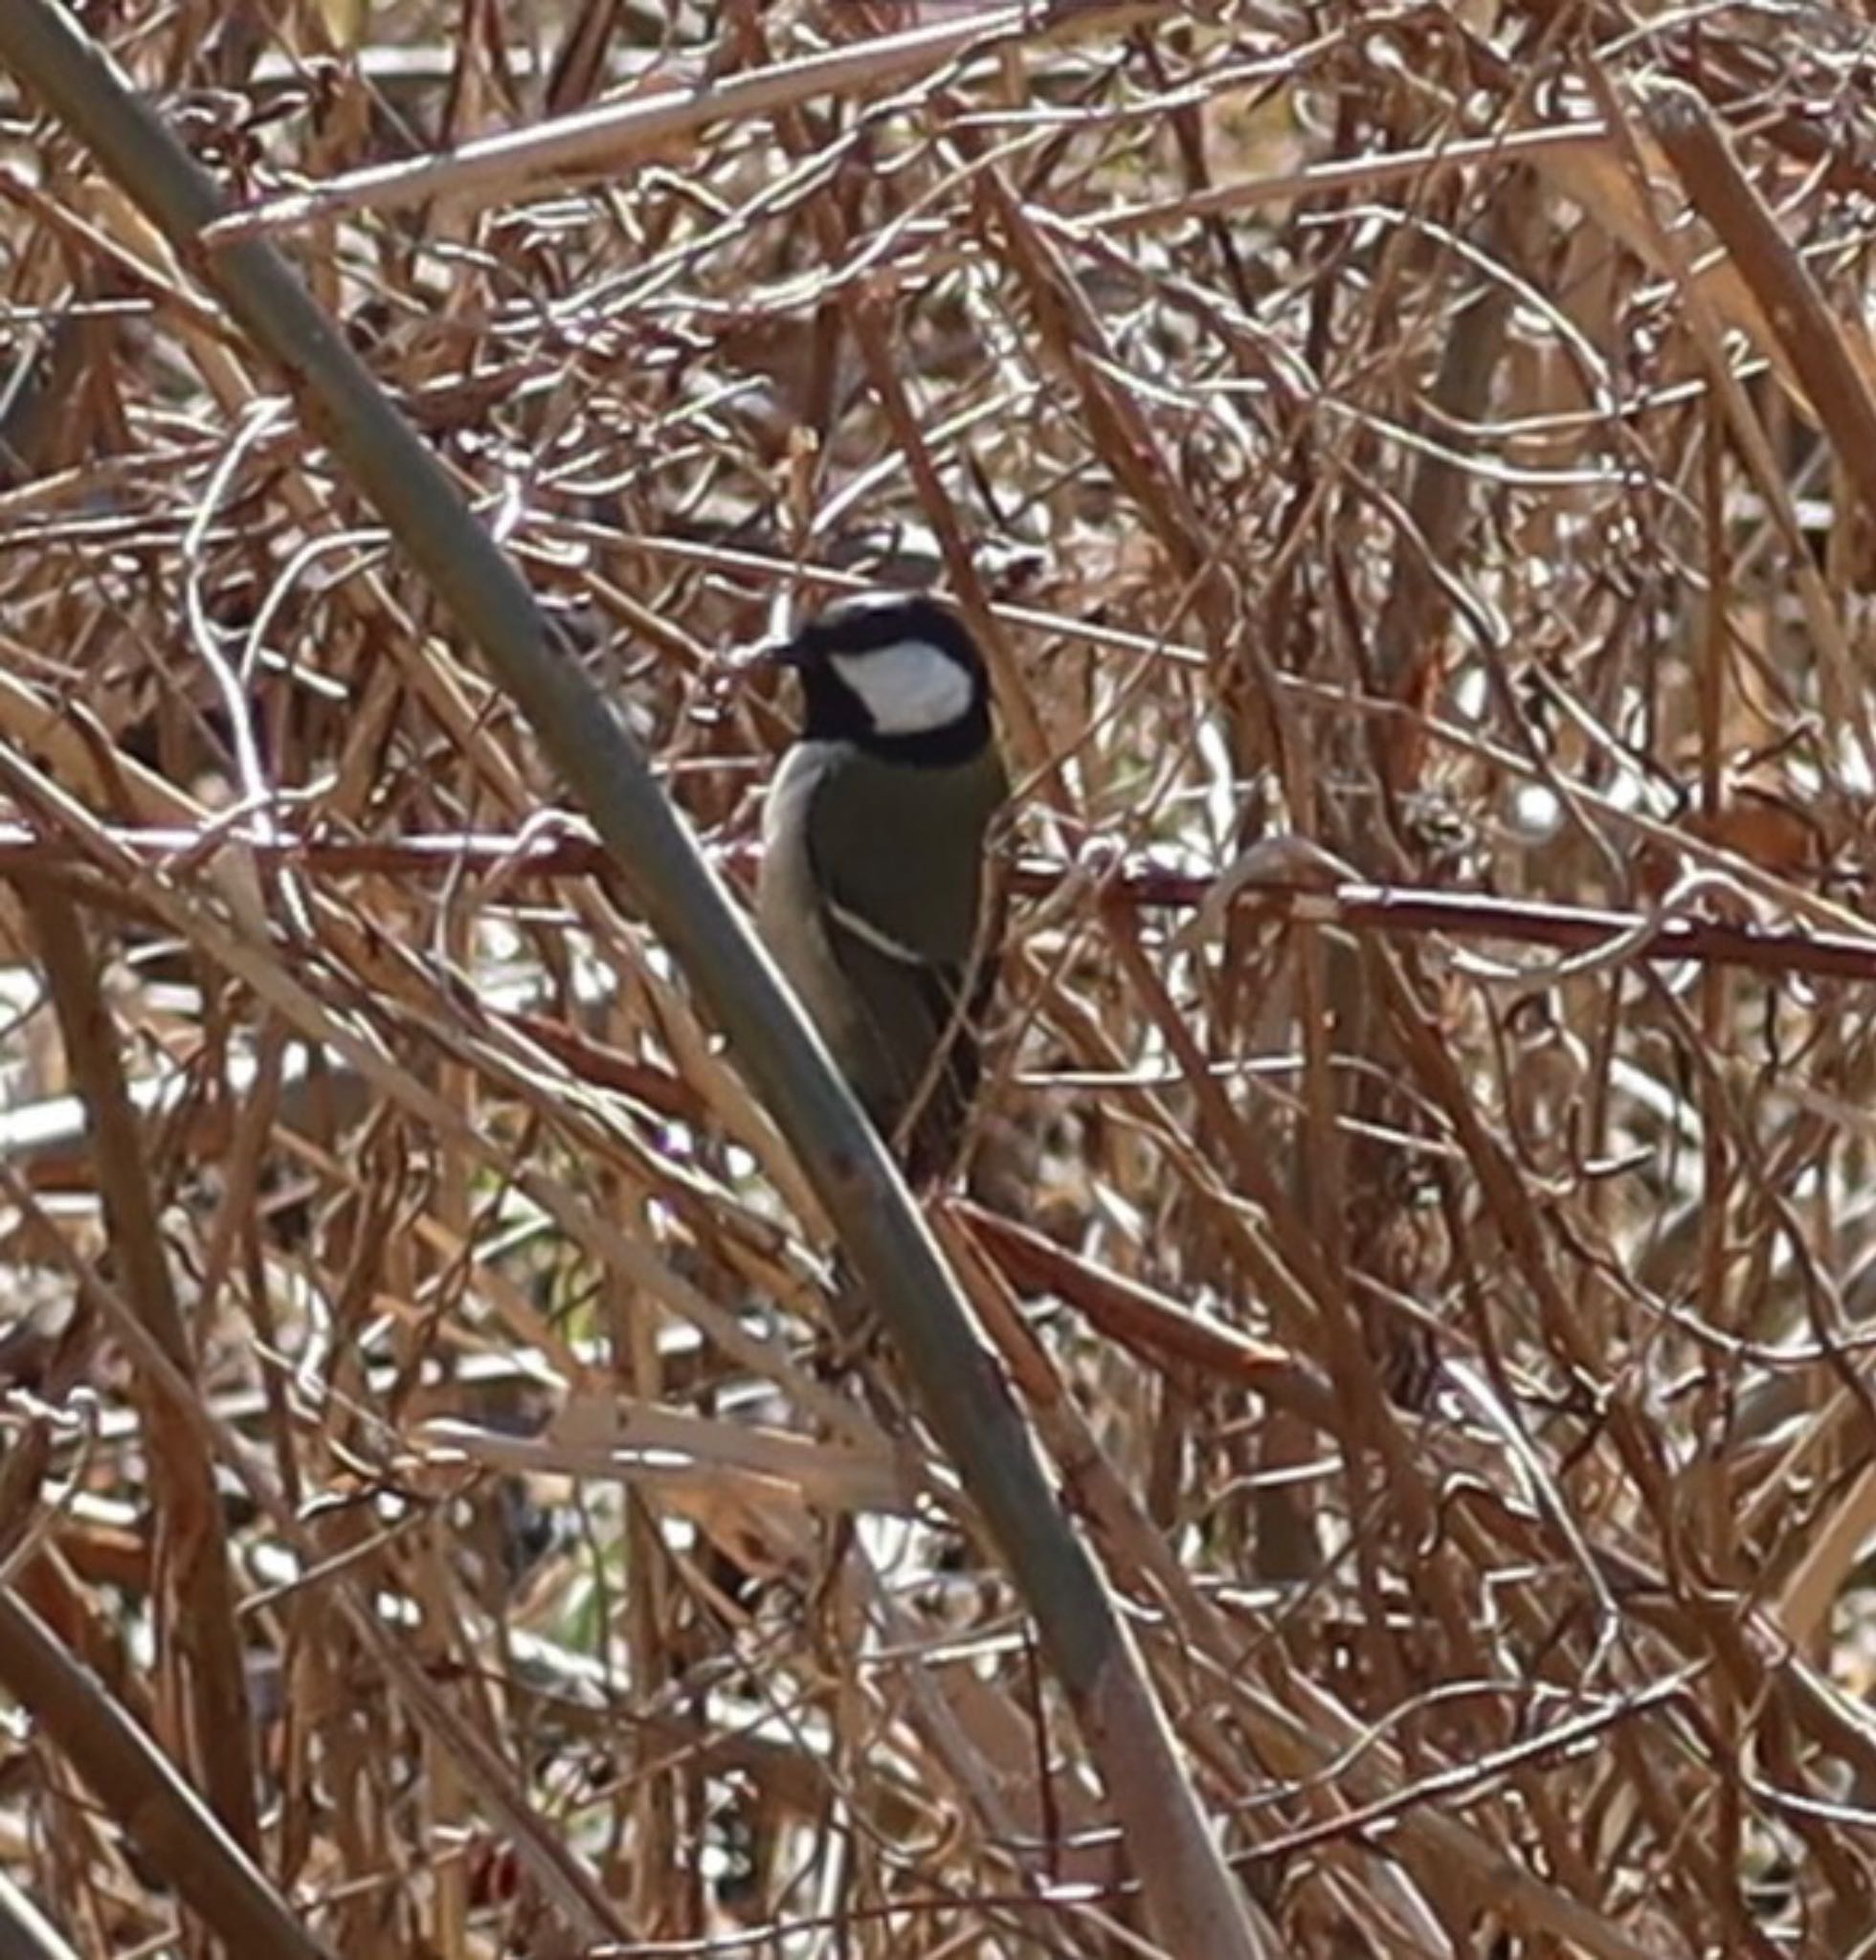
[{"x": 1195, "y": 1905}]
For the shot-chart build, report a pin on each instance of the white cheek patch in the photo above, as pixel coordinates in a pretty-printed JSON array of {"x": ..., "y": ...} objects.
[{"x": 909, "y": 688}]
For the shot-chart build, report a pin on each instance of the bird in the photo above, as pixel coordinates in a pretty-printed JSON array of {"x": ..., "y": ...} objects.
[{"x": 875, "y": 895}]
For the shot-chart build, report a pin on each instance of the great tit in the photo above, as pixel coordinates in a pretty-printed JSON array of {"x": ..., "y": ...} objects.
[{"x": 874, "y": 895}]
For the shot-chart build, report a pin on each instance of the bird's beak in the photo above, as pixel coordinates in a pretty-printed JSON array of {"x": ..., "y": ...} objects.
[
  {"x": 769, "y": 655},
  {"x": 749, "y": 664}
]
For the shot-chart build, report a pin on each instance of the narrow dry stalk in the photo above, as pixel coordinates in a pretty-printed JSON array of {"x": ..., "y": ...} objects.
[
  {"x": 1830, "y": 353},
  {"x": 200, "y": 1662},
  {"x": 140, "y": 1784}
]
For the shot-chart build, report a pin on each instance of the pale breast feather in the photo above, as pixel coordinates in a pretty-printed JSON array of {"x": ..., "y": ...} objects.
[
  {"x": 789, "y": 908},
  {"x": 804, "y": 767}
]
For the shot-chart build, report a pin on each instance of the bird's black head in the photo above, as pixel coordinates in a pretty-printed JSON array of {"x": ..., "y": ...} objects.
[{"x": 897, "y": 674}]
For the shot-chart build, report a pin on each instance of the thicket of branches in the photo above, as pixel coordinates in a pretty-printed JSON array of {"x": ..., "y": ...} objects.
[{"x": 1430, "y": 449}]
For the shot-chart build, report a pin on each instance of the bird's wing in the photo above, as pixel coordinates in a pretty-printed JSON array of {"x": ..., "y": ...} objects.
[{"x": 906, "y": 922}]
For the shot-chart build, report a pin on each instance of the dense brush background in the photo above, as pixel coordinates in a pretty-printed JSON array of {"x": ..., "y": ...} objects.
[{"x": 1324, "y": 454}]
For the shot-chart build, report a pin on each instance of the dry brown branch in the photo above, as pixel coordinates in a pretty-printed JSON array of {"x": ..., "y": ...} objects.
[
  {"x": 1411, "y": 468},
  {"x": 202, "y": 1685},
  {"x": 172, "y": 1826},
  {"x": 1831, "y": 353}
]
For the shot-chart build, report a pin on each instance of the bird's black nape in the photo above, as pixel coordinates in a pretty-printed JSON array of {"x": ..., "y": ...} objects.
[
  {"x": 835, "y": 708},
  {"x": 874, "y": 621}
]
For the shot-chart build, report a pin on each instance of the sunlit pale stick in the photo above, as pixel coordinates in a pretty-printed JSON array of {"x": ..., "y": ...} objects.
[{"x": 616, "y": 133}]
